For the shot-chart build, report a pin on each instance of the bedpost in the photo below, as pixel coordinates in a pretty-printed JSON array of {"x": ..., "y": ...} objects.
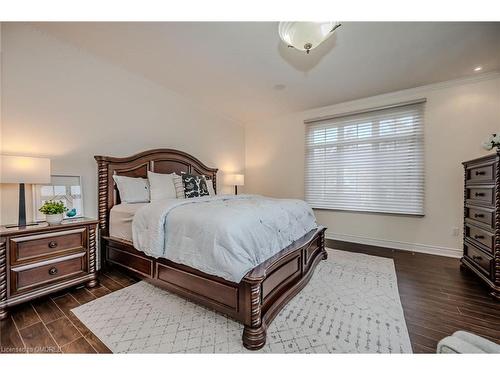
[
  {"x": 322, "y": 244},
  {"x": 102, "y": 191},
  {"x": 102, "y": 206},
  {"x": 254, "y": 333}
]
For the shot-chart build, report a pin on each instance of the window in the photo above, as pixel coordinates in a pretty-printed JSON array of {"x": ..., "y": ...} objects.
[{"x": 369, "y": 161}]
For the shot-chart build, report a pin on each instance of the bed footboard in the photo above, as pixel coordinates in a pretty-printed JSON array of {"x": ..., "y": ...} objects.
[{"x": 272, "y": 284}]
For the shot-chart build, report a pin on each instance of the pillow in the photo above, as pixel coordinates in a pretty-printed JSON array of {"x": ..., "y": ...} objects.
[
  {"x": 162, "y": 186},
  {"x": 194, "y": 186},
  {"x": 132, "y": 189},
  {"x": 179, "y": 187},
  {"x": 210, "y": 186}
]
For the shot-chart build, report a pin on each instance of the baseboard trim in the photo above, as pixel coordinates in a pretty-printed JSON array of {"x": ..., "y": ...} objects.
[{"x": 396, "y": 245}]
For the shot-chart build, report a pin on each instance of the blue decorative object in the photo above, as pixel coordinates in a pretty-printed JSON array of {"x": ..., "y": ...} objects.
[{"x": 71, "y": 213}]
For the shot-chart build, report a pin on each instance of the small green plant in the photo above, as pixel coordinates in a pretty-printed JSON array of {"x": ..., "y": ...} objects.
[{"x": 53, "y": 208}]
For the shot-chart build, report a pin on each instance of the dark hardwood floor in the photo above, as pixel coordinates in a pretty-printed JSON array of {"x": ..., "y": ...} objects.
[
  {"x": 47, "y": 325},
  {"x": 438, "y": 299}
]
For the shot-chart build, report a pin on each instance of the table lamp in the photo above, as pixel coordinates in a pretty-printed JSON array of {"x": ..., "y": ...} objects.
[
  {"x": 236, "y": 180},
  {"x": 23, "y": 170}
]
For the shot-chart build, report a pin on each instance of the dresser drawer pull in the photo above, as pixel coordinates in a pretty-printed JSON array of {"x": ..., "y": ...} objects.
[
  {"x": 478, "y": 215},
  {"x": 477, "y": 257},
  {"x": 52, "y": 244},
  {"x": 479, "y": 194},
  {"x": 53, "y": 271},
  {"x": 480, "y": 173},
  {"x": 479, "y": 237}
]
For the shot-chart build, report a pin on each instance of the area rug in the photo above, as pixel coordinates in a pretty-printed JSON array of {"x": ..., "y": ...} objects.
[{"x": 350, "y": 305}]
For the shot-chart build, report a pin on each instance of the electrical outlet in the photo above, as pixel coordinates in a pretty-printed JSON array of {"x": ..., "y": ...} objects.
[{"x": 455, "y": 231}]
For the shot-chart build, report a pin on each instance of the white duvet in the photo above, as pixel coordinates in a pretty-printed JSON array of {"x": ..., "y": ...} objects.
[{"x": 225, "y": 236}]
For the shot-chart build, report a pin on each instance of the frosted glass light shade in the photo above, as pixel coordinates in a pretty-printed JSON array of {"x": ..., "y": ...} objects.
[
  {"x": 22, "y": 169},
  {"x": 235, "y": 179},
  {"x": 305, "y": 36}
]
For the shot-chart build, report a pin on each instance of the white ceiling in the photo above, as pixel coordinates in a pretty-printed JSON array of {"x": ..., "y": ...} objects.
[{"x": 233, "y": 68}]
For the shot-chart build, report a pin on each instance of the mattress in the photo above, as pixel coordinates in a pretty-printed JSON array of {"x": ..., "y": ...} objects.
[{"x": 120, "y": 220}]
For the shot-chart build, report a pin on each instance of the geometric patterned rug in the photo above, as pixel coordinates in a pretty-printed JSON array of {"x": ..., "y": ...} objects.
[{"x": 350, "y": 305}]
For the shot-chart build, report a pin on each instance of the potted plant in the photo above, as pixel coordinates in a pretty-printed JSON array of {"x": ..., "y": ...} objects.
[
  {"x": 53, "y": 211},
  {"x": 492, "y": 141}
]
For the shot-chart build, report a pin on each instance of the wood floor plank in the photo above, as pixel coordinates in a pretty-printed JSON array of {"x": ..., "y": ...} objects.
[
  {"x": 97, "y": 344},
  {"x": 78, "y": 346},
  {"x": 38, "y": 340},
  {"x": 120, "y": 278},
  {"x": 110, "y": 283},
  {"x": 99, "y": 291},
  {"x": 82, "y": 295},
  {"x": 63, "y": 331},
  {"x": 10, "y": 341},
  {"x": 66, "y": 302},
  {"x": 24, "y": 316},
  {"x": 47, "y": 310},
  {"x": 449, "y": 324},
  {"x": 79, "y": 325}
]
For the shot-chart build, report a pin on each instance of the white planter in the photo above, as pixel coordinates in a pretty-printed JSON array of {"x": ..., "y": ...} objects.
[{"x": 54, "y": 219}]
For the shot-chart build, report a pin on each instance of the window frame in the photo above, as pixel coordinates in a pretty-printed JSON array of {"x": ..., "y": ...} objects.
[{"x": 376, "y": 141}]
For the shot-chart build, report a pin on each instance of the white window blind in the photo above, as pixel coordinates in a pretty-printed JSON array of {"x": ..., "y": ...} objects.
[{"x": 370, "y": 161}]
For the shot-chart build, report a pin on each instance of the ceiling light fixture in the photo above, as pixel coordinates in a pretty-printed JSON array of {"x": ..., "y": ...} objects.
[
  {"x": 305, "y": 36},
  {"x": 478, "y": 68}
]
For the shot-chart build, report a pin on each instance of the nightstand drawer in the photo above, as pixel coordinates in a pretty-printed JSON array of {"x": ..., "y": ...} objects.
[
  {"x": 28, "y": 248},
  {"x": 36, "y": 275}
]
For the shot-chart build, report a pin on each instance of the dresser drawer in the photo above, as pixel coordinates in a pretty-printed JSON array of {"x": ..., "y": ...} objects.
[
  {"x": 483, "y": 173},
  {"x": 481, "y": 214},
  {"x": 480, "y": 235},
  {"x": 42, "y": 245},
  {"x": 478, "y": 258},
  {"x": 480, "y": 195},
  {"x": 37, "y": 275}
]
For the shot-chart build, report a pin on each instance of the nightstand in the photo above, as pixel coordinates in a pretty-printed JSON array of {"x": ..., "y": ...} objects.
[{"x": 42, "y": 259}]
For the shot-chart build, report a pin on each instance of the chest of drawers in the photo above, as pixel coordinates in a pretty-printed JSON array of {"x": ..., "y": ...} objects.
[
  {"x": 482, "y": 220},
  {"x": 42, "y": 259}
]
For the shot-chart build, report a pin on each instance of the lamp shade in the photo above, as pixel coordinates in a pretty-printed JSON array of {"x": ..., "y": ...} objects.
[
  {"x": 305, "y": 36},
  {"x": 23, "y": 169},
  {"x": 235, "y": 179}
]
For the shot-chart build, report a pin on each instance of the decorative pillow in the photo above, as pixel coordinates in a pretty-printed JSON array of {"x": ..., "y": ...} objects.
[
  {"x": 194, "y": 186},
  {"x": 132, "y": 189},
  {"x": 162, "y": 186},
  {"x": 210, "y": 186},
  {"x": 179, "y": 187}
]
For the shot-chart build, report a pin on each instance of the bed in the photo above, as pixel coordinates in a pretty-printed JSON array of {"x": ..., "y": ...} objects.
[{"x": 254, "y": 301}]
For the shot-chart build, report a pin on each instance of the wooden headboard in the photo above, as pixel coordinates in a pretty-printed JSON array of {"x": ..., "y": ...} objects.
[{"x": 159, "y": 161}]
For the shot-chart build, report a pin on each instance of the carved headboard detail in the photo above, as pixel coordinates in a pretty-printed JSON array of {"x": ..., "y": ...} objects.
[{"x": 159, "y": 161}]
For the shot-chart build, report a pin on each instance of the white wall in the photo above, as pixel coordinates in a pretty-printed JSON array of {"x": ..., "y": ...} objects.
[
  {"x": 459, "y": 115},
  {"x": 63, "y": 103}
]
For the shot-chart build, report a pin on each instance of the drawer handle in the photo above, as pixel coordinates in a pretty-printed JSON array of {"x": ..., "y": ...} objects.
[
  {"x": 479, "y": 194},
  {"x": 480, "y": 173},
  {"x": 478, "y": 237},
  {"x": 478, "y": 215},
  {"x": 52, "y": 244},
  {"x": 53, "y": 271},
  {"x": 477, "y": 257}
]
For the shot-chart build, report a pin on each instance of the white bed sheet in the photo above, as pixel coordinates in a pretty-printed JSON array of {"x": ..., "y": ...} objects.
[{"x": 120, "y": 220}]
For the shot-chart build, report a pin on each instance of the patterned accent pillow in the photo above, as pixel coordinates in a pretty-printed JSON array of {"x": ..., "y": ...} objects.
[
  {"x": 179, "y": 187},
  {"x": 194, "y": 186}
]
